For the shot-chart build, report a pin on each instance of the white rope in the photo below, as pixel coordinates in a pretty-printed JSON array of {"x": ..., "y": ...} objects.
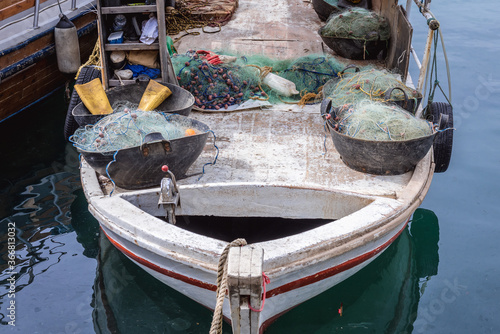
[{"x": 216, "y": 327}]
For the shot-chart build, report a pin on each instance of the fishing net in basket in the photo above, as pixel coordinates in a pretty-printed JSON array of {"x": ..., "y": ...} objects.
[
  {"x": 127, "y": 127},
  {"x": 380, "y": 122},
  {"x": 357, "y": 23},
  {"x": 224, "y": 85},
  {"x": 371, "y": 84}
]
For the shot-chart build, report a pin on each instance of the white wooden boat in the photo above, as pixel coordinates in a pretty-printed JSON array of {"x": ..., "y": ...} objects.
[{"x": 271, "y": 165}]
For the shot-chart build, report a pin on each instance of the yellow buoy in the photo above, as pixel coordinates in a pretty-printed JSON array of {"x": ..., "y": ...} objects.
[
  {"x": 153, "y": 96},
  {"x": 94, "y": 97}
]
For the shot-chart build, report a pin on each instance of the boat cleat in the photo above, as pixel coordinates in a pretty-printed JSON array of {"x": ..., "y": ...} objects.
[{"x": 169, "y": 194}]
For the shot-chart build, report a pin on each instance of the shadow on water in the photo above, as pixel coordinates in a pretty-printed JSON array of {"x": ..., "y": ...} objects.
[{"x": 381, "y": 298}]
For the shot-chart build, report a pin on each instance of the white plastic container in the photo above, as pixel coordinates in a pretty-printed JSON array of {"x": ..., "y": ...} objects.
[
  {"x": 280, "y": 85},
  {"x": 115, "y": 37}
]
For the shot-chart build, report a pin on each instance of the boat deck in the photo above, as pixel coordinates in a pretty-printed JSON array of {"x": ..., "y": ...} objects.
[
  {"x": 285, "y": 145},
  {"x": 282, "y": 147}
]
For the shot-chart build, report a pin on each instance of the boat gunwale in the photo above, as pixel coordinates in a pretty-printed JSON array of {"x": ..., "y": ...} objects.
[{"x": 208, "y": 253}]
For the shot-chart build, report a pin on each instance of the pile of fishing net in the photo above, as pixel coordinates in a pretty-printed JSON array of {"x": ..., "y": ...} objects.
[
  {"x": 357, "y": 23},
  {"x": 371, "y": 84},
  {"x": 127, "y": 127},
  {"x": 310, "y": 73},
  {"x": 228, "y": 83},
  {"x": 194, "y": 14},
  {"x": 380, "y": 122}
]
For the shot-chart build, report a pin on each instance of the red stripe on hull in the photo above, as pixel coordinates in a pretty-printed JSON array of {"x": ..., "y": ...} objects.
[
  {"x": 276, "y": 291},
  {"x": 333, "y": 270},
  {"x": 159, "y": 269}
]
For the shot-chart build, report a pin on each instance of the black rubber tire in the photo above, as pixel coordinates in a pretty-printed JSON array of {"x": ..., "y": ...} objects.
[
  {"x": 88, "y": 73},
  {"x": 443, "y": 142}
]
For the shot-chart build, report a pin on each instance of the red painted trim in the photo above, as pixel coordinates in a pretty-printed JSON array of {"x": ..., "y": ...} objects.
[
  {"x": 161, "y": 270},
  {"x": 276, "y": 291},
  {"x": 327, "y": 273},
  {"x": 333, "y": 270}
]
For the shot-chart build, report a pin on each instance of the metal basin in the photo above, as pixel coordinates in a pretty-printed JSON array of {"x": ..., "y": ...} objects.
[
  {"x": 324, "y": 9},
  {"x": 378, "y": 157},
  {"x": 356, "y": 48},
  {"x": 140, "y": 166}
]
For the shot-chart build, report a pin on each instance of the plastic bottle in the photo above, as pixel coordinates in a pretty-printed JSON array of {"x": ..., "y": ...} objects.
[{"x": 281, "y": 85}]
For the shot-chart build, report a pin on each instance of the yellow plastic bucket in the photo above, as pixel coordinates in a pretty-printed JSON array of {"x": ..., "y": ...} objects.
[
  {"x": 94, "y": 98},
  {"x": 153, "y": 96}
]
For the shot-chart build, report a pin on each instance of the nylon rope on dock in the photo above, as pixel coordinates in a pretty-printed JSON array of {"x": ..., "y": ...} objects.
[{"x": 216, "y": 327}]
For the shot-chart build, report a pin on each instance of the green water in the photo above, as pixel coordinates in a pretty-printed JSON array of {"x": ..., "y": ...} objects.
[{"x": 440, "y": 276}]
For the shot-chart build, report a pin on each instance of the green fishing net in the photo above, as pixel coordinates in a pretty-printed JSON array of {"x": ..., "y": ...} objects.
[
  {"x": 371, "y": 84},
  {"x": 380, "y": 122},
  {"x": 357, "y": 23},
  {"x": 216, "y": 86},
  {"x": 332, "y": 2},
  {"x": 229, "y": 84},
  {"x": 127, "y": 127},
  {"x": 309, "y": 74}
]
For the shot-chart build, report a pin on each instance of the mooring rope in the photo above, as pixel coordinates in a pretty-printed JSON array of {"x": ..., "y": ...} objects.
[{"x": 216, "y": 327}]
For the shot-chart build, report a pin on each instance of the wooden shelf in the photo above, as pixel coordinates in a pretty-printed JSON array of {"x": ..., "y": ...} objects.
[
  {"x": 116, "y": 82},
  {"x": 128, "y": 46},
  {"x": 106, "y": 48},
  {"x": 128, "y": 9}
]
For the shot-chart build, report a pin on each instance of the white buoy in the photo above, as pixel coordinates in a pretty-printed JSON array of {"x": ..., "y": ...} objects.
[{"x": 67, "y": 47}]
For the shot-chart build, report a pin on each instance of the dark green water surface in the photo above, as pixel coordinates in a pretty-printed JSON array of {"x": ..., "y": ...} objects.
[{"x": 442, "y": 275}]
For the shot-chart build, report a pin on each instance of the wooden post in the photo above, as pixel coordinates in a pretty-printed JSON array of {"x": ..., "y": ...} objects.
[{"x": 244, "y": 279}]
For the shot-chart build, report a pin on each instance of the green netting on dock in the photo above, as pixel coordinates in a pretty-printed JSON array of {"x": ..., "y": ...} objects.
[{"x": 223, "y": 85}]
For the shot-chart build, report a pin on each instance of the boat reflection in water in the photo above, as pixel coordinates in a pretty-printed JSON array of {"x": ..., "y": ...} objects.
[{"x": 381, "y": 298}]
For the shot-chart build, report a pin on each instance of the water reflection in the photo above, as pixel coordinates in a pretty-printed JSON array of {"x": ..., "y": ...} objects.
[
  {"x": 382, "y": 298},
  {"x": 128, "y": 300},
  {"x": 30, "y": 243}
]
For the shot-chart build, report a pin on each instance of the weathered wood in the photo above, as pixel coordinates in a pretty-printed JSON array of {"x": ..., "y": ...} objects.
[
  {"x": 401, "y": 58},
  {"x": 10, "y": 8},
  {"x": 245, "y": 287},
  {"x": 129, "y": 9},
  {"x": 162, "y": 39},
  {"x": 131, "y": 47},
  {"x": 107, "y": 73},
  {"x": 37, "y": 80}
]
